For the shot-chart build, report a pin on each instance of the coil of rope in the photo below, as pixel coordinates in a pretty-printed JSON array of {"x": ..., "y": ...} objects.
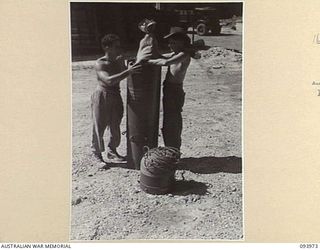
[{"x": 161, "y": 159}]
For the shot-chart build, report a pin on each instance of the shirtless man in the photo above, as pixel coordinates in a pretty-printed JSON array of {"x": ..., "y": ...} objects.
[
  {"x": 173, "y": 94},
  {"x": 106, "y": 102}
]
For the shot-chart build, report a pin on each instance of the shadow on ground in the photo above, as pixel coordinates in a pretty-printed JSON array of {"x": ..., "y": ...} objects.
[
  {"x": 210, "y": 165},
  {"x": 204, "y": 47},
  {"x": 118, "y": 165},
  {"x": 182, "y": 188}
]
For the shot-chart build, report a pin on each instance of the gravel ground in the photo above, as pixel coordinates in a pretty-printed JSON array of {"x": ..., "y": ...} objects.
[{"x": 108, "y": 204}]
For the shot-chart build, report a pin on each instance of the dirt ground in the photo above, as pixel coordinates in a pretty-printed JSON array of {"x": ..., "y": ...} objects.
[{"x": 207, "y": 201}]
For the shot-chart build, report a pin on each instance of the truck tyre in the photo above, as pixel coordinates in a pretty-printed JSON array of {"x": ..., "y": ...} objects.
[{"x": 201, "y": 29}]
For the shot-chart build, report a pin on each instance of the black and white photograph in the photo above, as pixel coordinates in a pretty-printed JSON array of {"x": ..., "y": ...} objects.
[{"x": 157, "y": 121}]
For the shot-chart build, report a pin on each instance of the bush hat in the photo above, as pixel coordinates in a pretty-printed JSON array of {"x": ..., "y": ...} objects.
[{"x": 178, "y": 32}]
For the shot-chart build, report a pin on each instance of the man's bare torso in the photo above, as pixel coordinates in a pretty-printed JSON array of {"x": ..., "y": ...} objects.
[
  {"x": 177, "y": 72},
  {"x": 110, "y": 67}
]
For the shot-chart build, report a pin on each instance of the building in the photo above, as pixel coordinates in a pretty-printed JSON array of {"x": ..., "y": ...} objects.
[{"x": 91, "y": 21}]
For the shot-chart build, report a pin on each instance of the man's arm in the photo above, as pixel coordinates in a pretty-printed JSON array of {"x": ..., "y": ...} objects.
[
  {"x": 103, "y": 72},
  {"x": 167, "y": 55},
  {"x": 172, "y": 60}
]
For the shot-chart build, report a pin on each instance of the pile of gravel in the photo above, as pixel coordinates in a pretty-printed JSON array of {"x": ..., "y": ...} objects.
[{"x": 217, "y": 58}]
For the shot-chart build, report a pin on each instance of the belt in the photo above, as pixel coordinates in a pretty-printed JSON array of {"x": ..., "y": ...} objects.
[{"x": 109, "y": 89}]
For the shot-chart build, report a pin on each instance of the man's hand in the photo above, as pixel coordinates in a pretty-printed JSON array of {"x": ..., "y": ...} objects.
[
  {"x": 144, "y": 54},
  {"x": 134, "y": 69}
]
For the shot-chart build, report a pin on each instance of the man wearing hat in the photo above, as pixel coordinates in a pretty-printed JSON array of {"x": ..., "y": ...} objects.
[{"x": 173, "y": 94}]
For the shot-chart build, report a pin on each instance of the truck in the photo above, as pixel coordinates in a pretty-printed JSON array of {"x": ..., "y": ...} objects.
[{"x": 202, "y": 20}]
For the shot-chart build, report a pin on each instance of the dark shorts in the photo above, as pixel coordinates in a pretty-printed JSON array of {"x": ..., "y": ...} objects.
[{"x": 173, "y": 101}]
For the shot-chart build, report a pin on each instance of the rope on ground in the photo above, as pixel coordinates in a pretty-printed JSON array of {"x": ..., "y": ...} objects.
[{"x": 161, "y": 159}]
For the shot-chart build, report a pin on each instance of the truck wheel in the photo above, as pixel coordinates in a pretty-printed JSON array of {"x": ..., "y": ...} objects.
[{"x": 202, "y": 29}]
